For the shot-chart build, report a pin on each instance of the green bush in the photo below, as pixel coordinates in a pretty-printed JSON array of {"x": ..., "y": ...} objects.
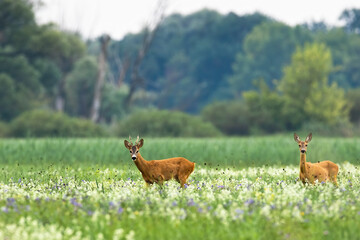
[
  {"x": 230, "y": 118},
  {"x": 41, "y": 123},
  {"x": 4, "y": 129},
  {"x": 353, "y": 98},
  {"x": 344, "y": 129},
  {"x": 160, "y": 123}
]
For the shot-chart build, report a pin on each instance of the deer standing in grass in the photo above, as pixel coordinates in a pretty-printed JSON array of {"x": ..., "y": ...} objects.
[
  {"x": 158, "y": 171},
  {"x": 310, "y": 172}
]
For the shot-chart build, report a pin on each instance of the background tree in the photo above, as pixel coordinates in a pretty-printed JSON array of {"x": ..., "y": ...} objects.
[
  {"x": 265, "y": 108},
  {"x": 352, "y": 19},
  {"x": 308, "y": 95},
  {"x": 345, "y": 51},
  {"x": 16, "y": 19},
  {"x": 102, "y": 64},
  {"x": 20, "y": 86},
  {"x": 63, "y": 48},
  {"x": 267, "y": 49},
  {"x": 193, "y": 50},
  {"x": 80, "y": 87}
]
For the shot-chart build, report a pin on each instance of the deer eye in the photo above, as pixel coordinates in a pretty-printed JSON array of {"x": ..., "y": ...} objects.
[
  {"x": 306, "y": 145},
  {"x": 130, "y": 152},
  {"x": 299, "y": 145},
  {"x": 137, "y": 151}
]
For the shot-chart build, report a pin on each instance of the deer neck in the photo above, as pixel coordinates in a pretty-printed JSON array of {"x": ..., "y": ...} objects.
[
  {"x": 141, "y": 163},
  {"x": 302, "y": 162}
]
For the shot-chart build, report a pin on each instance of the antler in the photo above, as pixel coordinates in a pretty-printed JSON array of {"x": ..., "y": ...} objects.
[
  {"x": 137, "y": 140},
  {"x": 130, "y": 140}
]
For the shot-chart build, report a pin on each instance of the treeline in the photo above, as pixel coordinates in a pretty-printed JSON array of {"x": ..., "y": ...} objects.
[{"x": 238, "y": 75}]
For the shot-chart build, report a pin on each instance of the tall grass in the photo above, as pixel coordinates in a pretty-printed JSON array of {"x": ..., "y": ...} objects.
[{"x": 234, "y": 152}]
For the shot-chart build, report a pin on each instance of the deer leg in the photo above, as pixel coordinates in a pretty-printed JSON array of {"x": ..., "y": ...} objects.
[
  {"x": 160, "y": 180},
  {"x": 335, "y": 180},
  {"x": 183, "y": 180},
  {"x": 148, "y": 183}
]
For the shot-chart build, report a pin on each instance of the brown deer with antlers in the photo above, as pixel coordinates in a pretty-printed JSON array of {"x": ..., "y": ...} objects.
[
  {"x": 158, "y": 171},
  {"x": 310, "y": 172}
]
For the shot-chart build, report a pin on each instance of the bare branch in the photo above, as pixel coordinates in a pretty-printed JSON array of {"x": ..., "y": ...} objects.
[{"x": 150, "y": 30}]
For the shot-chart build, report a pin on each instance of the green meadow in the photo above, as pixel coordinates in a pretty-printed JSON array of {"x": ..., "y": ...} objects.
[
  {"x": 242, "y": 188},
  {"x": 225, "y": 152}
]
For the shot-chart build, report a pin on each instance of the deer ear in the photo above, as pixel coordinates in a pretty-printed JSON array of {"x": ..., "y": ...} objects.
[
  {"x": 127, "y": 144},
  {"x": 296, "y": 138},
  {"x": 308, "y": 138},
  {"x": 140, "y": 143}
]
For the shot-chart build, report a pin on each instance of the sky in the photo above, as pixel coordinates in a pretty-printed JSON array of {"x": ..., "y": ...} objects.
[{"x": 118, "y": 17}]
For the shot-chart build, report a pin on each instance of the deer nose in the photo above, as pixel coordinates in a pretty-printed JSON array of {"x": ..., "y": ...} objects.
[
  {"x": 303, "y": 150},
  {"x": 133, "y": 158}
]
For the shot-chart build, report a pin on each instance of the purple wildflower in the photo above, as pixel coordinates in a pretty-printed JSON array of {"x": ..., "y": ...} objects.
[
  {"x": 239, "y": 211},
  {"x": 191, "y": 203},
  {"x": 75, "y": 203},
  {"x": 120, "y": 210},
  {"x": 249, "y": 201}
]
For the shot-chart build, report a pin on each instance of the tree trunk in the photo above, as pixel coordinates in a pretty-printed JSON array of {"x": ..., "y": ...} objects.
[
  {"x": 95, "y": 110},
  {"x": 60, "y": 96}
]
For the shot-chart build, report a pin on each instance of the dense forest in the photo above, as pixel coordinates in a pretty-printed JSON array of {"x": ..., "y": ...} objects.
[{"x": 203, "y": 74}]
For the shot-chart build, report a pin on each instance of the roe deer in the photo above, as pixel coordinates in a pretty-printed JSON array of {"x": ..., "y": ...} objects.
[
  {"x": 321, "y": 171},
  {"x": 158, "y": 171}
]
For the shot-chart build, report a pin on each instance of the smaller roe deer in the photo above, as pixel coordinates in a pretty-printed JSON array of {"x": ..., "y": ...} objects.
[
  {"x": 158, "y": 171},
  {"x": 321, "y": 171}
]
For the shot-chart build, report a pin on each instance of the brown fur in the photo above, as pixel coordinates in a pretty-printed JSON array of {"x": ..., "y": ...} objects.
[
  {"x": 158, "y": 171},
  {"x": 310, "y": 172}
]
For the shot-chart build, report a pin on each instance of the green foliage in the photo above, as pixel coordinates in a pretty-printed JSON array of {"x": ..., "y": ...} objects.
[
  {"x": 41, "y": 123},
  {"x": 112, "y": 107},
  {"x": 33, "y": 57},
  {"x": 50, "y": 74},
  {"x": 231, "y": 118},
  {"x": 63, "y": 48},
  {"x": 265, "y": 109},
  {"x": 16, "y": 17},
  {"x": 267, "y": 48},
  {"x": 200, "y": 49},
  {"x": 7, "y": 97},
  {"x": 20, "y": 86},
  {"x": 306, "y": 90},
  {"x": 80, "y": 86},
  {"x": 340, "y": 128},
  {"x": 353, "y": 97},
  {"x": 345, "y": 51},
  {"x": 156, "y": 123},
  {"x": 4, "y": 130},
  {"x": 352, "y": 19}
]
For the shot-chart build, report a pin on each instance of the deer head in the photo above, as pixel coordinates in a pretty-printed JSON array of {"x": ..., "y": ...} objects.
[
  {"x": 303, "y": 144},
  {"x": 134, "y": 149}
]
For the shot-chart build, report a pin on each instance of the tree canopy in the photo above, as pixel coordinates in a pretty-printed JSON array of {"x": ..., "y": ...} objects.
[{"x": 263, "y": 75}]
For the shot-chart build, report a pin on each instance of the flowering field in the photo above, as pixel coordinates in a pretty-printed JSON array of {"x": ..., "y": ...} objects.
[
  {"x": 242, "y": 188},
  {"x": 61, "y": 202}
]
